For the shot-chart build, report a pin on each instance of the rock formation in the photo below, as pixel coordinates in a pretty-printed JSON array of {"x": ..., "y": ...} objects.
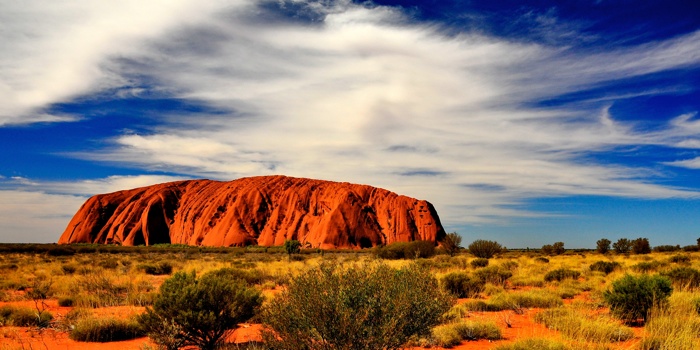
[{"x": 265, "y": 210}]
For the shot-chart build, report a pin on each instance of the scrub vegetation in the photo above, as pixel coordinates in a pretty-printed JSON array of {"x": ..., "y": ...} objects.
[{"x": 406, "y": 295}]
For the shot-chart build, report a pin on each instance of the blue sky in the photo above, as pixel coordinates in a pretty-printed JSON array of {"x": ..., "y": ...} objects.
[{"x": 527, "y": 122}]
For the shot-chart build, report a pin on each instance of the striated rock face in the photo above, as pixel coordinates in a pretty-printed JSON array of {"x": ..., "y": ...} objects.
[{"x": 265, "y": 210}]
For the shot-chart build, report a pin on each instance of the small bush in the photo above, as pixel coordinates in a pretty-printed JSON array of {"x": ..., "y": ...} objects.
[
  {"x": 493, "y": 274},
  {"x": 684, "y": 277},
  {"x": 451, "y": 335},
  {"x": 561, "y": 274},
  {"x": 445, "y": 336},
  {"x": 485, "y": 249},
  {"x": 583, "y": 328},
  {"x": 106, "y": 330},
  {"x": 667, "y": 248},
  {"x": 479, "y": 262},
  {"x": 24, "y": 317},
  {"x": 109, "y": 264},
  {"x": 66, "y": 301},
  {"x": 406, "y": 250},
  {"x": 162, "y": 268},
  {"x": 541, "y": 259},
  {"x": 631, "y": 298},
  {"x": 69, "y": 269},
  {"x": 680, "y": 259},
  {"x": 647, "y": 266},
  {"x": 251, "y": 277},
  {"x": 605, "y": 267},
  {"x": 190, "y": 311},
  {"x": 461, "y": 285}
]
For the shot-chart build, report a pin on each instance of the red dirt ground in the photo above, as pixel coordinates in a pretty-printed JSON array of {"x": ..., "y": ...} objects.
[{"x": 522, "y": 326}]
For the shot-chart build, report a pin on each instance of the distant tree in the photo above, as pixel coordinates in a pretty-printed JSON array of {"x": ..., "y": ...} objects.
[
  {"x": 622, "y": 246},
  {"x": 485, "y": 249},
  {"x": 547, "y": 249},
  {"x": 451, "y": 243},
  {"x": 641, "y": 246},
  {"x": 553, "y": 249},
  {"x": 292, "y": 246},
  {"x": 603, "y": 245},
  {"x": 558, "y": 248},
  {"x": 699, "y": 242}
]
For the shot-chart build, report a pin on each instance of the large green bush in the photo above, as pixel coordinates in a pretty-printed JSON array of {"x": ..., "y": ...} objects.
[
  {"x": 199, "y": 312},
  {"x": 461, "y": 285},
  {"x": 631, "y": 298},
  {"x": 485, "y": 249},
  {"x": 368, "y": 306}
]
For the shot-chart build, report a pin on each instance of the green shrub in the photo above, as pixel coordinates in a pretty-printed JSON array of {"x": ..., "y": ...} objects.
[
  {"x": 641, "y": 246},
  {"x": 647, "y": 266},
  {"x": 450, "y": 335},
  {"x": 292, "y": 246},
  {"x": 406, "y": 250},
  {"x": 190, "y": 311},
  {"x": 603, "y": 245},
  {"x": 66, "y": 301},
  {"x": 471, "y": 330},
  {"x": 605, "y": 267},
  {"x": 580, "y": 327},
  {"x": 684, "y": 277},
  {"x": 162, "y": 268},
  {"x": 105, "y": 330},
  {"x": 24, "y": 317},
  {"x": 561, "y": 274},
  {"x": 493, "y": 274},
  {"x": 109, "y": 264},
  {"x": 667, "y": 248},
  {"x": 452, "y": 243},
  {"x": 479, "y": 262},
  {"x": 680, "y": 259},
  {"x": 485, "y": 249},
  {"x": 631, "y": 298},
  {"x": 461, "y": 285},
  {"x": 251, "y": 277},
  {"x": 366, "y": 306},
  {"x": 69, "y": 269}
]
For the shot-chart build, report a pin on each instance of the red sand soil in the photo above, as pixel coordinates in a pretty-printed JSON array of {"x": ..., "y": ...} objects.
[{"x": 522, "y": 326}]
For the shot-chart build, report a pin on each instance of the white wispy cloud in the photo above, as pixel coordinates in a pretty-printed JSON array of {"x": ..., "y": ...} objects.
[{"x": 363, "y": 96}]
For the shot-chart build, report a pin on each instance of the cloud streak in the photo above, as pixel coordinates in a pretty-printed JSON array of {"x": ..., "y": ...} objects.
[{"x": 358, "y": 94}]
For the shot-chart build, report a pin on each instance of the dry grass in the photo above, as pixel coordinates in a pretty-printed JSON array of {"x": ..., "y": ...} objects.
[{"x": 99, "y": 279}]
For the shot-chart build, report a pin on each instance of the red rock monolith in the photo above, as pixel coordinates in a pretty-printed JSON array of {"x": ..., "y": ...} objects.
[{"x": 264, "y": 210}]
